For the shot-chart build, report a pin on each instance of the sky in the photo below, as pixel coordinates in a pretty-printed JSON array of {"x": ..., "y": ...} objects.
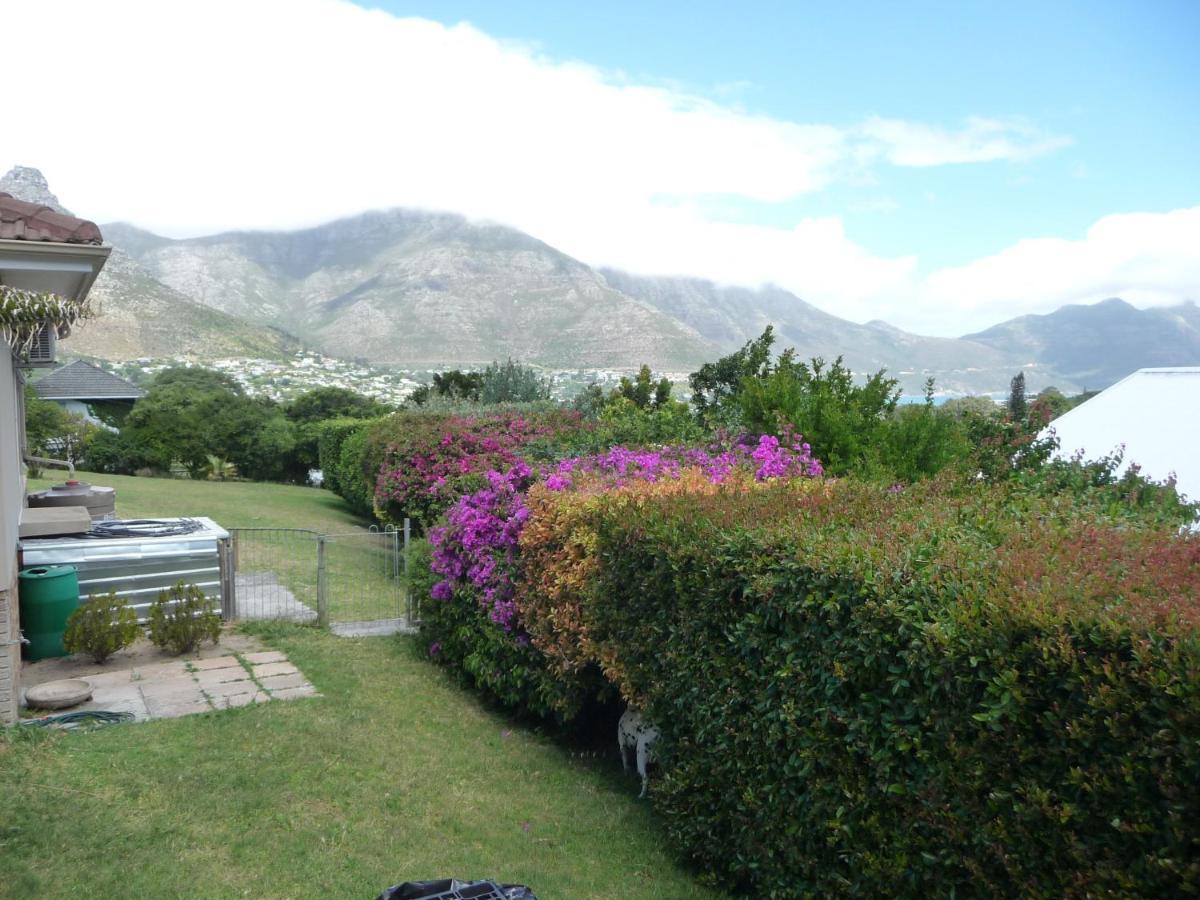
[{"x": 941, "y": 166}]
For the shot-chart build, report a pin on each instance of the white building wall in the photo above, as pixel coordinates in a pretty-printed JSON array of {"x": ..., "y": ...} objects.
[{"x": 11, "y": 501}]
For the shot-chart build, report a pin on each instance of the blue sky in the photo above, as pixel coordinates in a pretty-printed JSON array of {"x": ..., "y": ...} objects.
[
  {"x": 1120, "y": 80},
  {"x": 941, "y": 166}
]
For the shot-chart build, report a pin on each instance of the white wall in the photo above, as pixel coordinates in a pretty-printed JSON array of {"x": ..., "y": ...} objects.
[{"x": 11, "y": 500}]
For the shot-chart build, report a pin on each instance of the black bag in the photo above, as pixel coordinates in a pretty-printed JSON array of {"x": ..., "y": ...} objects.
[{"x": 453, "y": 889}]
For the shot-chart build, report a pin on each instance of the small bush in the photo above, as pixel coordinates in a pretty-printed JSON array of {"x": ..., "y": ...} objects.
[
  {"x": 101, "y": 626},
  {"x": 182, "y": 618}
]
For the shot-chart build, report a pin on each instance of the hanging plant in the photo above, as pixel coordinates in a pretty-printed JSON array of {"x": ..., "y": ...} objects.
[{"x": 24, "y": 313}]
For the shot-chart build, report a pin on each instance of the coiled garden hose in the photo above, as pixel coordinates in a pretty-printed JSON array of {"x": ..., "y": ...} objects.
[{"x": 96, "y": 718}]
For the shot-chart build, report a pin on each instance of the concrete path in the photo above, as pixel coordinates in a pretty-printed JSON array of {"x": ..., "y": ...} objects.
[
  {"x": 180, "y": 687},
  {"x": 261, "y": 596}
]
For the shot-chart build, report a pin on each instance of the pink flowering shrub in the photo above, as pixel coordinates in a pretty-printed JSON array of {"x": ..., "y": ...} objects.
[
  {"x": 425, "y": 463},
  {"x": 474, "y": 612}
]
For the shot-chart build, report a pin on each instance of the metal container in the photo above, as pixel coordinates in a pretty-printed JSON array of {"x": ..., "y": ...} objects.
[
  {"x": 49, "y": 594},
  {"x": 132, "y": 558},
  {"x": 100, "y": 502}
]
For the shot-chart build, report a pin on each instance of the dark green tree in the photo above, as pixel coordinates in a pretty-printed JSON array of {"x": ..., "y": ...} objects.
[
  {"x": 842, "y": 420},
  {"x": 716, "y": 385},
  {"x": 511, "y": 382},
  {"x": 1017, "y": 406}
]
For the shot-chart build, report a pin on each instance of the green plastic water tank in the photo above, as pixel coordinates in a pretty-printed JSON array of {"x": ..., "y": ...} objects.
[{"x": 49, "y": 594}]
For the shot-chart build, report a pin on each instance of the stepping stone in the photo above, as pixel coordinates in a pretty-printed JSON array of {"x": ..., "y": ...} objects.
[
  {"x": 276, "y": 668},
  {"x": 282, "y": 682},
  {"x": 218, "y": 676},
  {"x": 215, "y": 662},
  {"x": 58, "y": 694},
  {"x": 239, "y": 700},
  {"x": 266, "y": 656}
]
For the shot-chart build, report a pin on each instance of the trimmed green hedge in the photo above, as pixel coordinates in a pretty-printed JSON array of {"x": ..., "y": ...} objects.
[
  {"x": 950, "y": 689},
  {"x": 910, "y": 695},
  {"x": 341, "y": 446}
]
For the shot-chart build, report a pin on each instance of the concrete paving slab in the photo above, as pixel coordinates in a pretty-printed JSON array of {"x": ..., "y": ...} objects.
[
  {"x": 214, "y": 662},
  {"x": 164, "y": 687},
  {"x": 116, "y": 694},
  {"x": 173, "y": 709},
  {"x": 266, "y": 656},
  {"x": 135, "y": 706},
  {"x": 110, "y": 679},
  {"x": 217, "y": 676},
  {"x": 159, "y": 670},
  {"x": 230, "y": 688},
  {"x": 236, "y": 700},
  {"x": 282, "y": 682},
  {"x": 275, "y": 668}
]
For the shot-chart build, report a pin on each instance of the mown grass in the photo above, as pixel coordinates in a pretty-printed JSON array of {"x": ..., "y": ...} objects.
[
  {"x": 231, "y": 504},
  {"x": 394, "y": 774}
]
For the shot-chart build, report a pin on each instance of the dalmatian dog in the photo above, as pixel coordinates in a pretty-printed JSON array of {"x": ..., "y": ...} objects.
[{"x": 635, "y": 733}]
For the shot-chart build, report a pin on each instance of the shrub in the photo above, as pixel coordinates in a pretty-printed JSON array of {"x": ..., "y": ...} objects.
[
  {"x": 945, "y": 688},
  {"x": 100, "y": 626},
  {"x": 927, "y": 691},
  {"x": 341, "y": 448},
  {"x": 182, "y": 618},
  {"x": 425, "y": 463},
  {"x": 475, "y": 614}
]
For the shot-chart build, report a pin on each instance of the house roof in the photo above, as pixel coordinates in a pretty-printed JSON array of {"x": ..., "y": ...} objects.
[
  {"x": 1154, "y": 414},
  {"x": 82, "y": 381},
  {"x": 24, "y": 221}
]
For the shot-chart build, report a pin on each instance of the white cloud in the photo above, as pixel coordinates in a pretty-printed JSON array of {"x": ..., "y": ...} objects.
[
  {"x": 188, "y": 119},
  {"x": 1145, "y": 258},
  {"x": 980, "y": 140}
]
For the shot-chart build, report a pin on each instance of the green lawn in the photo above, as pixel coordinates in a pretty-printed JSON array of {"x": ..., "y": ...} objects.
[
  {"x": 394, "y": 774},
  {"x": 231, "y": 504}
]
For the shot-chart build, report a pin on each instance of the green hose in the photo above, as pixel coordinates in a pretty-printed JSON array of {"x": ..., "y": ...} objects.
[{"x": 97, "y": 718}]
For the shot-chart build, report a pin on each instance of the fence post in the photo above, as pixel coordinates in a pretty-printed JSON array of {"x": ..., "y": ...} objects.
[
  {"x": 408, "y": 604},
  {"x": 322, "y": 600}
]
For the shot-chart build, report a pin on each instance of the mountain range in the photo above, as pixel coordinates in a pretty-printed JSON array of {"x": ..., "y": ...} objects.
[{"x": 415, "y": 288}]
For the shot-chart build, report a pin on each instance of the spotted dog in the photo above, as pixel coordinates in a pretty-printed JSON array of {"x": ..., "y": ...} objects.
[{"x": 634, "y": 732}]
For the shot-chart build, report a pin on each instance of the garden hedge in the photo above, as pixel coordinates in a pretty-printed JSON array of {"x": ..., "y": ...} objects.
[{"x": 948, "y": 689}]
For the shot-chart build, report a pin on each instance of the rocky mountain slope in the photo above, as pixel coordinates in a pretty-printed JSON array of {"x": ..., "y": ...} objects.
[
  {"x": 1097, "y": 345},
  {"x": 730, "y": 316},
  {"x": 416, "y": 288},
  {"x": 411, "y": 288},
  {"x": 135, "y": 315}
]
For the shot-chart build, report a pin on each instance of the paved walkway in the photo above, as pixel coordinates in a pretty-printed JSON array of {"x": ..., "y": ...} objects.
[{"x": 180, "y": 687}]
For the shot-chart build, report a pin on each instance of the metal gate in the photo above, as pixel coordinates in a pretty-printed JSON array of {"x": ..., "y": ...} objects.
[{"x": 354, "y": 582}]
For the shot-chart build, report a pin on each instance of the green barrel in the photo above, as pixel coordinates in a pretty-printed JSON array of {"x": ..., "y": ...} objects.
[{"x": 49, "y": 594}]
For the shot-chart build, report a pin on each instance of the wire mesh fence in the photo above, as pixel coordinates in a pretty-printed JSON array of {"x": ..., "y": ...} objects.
[{"x": 355, "y": 582}]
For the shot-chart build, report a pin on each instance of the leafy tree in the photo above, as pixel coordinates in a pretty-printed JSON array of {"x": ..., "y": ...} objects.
[
  {"x": 920, "y": 439},
  {"x": 188, "y": 415},
  {"x": 312, "y": 408},
  {"x": 326, "y": 403},
  {"x": 511, "y": 382},
  {"x": 52, "y": 431},
  {"x": 642, "y": 391},
  {"x": 453, "y": 385},
  {"x": 716, "y": 386},
  {"x": 1017, "y": 408},
  {"x": 843, "y": 421}
]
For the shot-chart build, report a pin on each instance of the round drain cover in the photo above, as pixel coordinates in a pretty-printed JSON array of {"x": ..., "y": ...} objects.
[{"x": 58, "y": 694}]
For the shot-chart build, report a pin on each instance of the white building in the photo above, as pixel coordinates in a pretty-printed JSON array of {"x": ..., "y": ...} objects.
[{"x": 1154, "y": 414}]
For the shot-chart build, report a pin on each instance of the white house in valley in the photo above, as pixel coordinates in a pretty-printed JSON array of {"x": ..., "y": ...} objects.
[{"x": 48, "y": 263}]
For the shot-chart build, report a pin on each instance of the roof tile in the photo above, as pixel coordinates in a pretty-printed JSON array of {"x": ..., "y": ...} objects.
[{"x": 23, "y": 221}]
